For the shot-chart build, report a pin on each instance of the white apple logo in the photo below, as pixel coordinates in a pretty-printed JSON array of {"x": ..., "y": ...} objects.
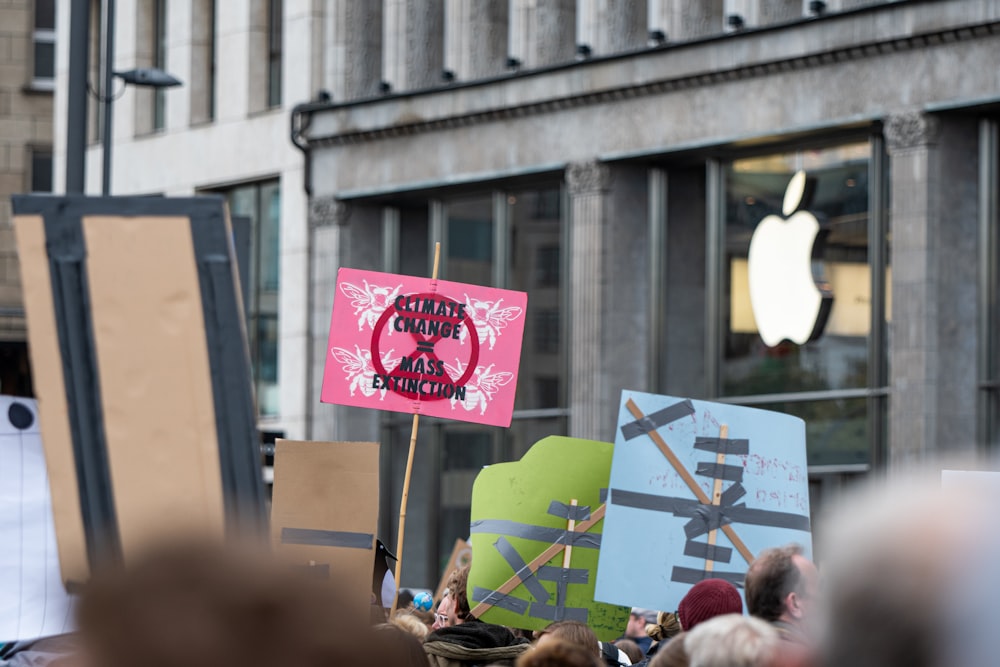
[{"x": 786, "y": 301}]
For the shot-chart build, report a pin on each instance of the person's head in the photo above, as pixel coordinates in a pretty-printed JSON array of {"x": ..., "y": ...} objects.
[
  {"x": 707, "y": 599},
  {"x": 781, "y": 585},
  {"x": 631, "y": 649},
  {"x": 573, "y": 632},
  {"x": 672, "y": 654},
  {"x": 204, "y": 606},
  {"x": 910, "y": 576},
  {"x": 732, "y": 640},
  {"x": 637, "y": 622},
  {"x": 407, "y": 621},
  {"x": 454, "y": 606},
  {"x": 558, "y": 653},
  {"x": 666, "y": 626}
]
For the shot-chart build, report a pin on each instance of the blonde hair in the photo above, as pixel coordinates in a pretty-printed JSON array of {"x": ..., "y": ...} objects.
[{"x": 406, "y": 621}]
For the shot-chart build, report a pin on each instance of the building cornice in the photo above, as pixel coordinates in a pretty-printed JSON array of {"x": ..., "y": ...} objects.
[{"x": 699, "y": 79}]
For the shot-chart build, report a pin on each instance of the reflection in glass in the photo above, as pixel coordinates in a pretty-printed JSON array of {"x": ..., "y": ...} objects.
[
  {"x": 470, "y": 241},
  {"x": 535, "y": 267},
  {"x": 836, "y": 429},
  {"x": 837, "y": 195}
]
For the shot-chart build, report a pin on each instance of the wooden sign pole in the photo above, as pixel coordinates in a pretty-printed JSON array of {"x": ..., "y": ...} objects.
[
  {"x": 409, "y": 470},
  {"x": 720, "y": 459}
]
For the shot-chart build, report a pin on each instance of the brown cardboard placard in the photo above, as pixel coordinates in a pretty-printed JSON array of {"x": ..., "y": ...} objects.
[
  {"x": 324, "y": 512},
  {"x": 147, "y": 328},
  {"x": 138, "y": 346},
  {"x": 461, "y": 555}
]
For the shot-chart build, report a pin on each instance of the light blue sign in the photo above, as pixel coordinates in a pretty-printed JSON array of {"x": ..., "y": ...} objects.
[{"x": 697, "y": 490}]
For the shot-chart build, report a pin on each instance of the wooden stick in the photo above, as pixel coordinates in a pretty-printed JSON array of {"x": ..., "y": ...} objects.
[
  {"x": 720, "y": 459},
  {"x": 409, "y": 470},
  {"x": 541, "y": 559},
  {"x": 689, "y": 480},
  {"x": 570, "y": 525}
]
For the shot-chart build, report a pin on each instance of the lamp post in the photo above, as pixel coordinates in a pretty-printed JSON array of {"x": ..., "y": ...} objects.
[{"x": 149, "y": 77}]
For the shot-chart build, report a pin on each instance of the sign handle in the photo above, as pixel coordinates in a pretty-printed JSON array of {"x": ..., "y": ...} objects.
[
  {"x": 720, "y": 459},
  {"x": 409, "y": 469}
]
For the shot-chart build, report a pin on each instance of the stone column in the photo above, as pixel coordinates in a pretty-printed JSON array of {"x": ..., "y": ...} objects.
[
  {"x": 343, "y": 235},
  {"x": 413, "y": 40},
  {"x": 475, "y": 38},
  {"x": 353, "y": 49},
  {"x": 682, "y": 20},
  {"x": 614, "y": 26},
  {"x": 540, "y": 33},
  {"x": 932, "y": 334},
  {"x": 608, "y": 259}
]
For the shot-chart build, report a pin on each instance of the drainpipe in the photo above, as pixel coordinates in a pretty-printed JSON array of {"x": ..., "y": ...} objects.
[{"x": 301, "y": 119}]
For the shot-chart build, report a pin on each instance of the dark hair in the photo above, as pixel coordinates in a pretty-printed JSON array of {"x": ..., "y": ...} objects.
[
  {"x": 558, "y": 653},
  {"x": 673, "y": 653},
  {"x": 398, "y": 647},
  {"x": 458, "y": 582},
  {"x": 631, "y": 649},
  {"x": 769, "y": 580},
  {"x": 574, "y": 632}
]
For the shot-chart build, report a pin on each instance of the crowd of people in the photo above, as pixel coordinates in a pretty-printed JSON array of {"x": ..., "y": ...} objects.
[{"x": 907, "y": 579}]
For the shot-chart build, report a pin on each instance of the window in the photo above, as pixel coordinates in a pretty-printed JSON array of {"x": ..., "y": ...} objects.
[
  {"x": 816, "y": 363},
  {"x": 261, "y": 202},
  {"x": 159, "y": 61},
  {"x": 44, "y": 46},
  {"x": 275, "y": 25},
  {"x": 547, "y": 267},
  {"x": 546, "y": 325},
  {"x": 203, "y": 61},
  {"x": 41, "y": 170}
]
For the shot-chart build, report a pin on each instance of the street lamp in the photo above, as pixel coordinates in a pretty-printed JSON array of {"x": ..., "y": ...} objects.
[{"x": 149, "y": 77}]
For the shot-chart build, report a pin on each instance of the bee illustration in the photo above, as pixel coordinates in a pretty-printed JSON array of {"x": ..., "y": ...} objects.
[
  {"x": 481, "y": 387},
  {"x": 489, "y": 318},
  {"x": 369, "y": 302},
  {"x": 360, "y": 371}
]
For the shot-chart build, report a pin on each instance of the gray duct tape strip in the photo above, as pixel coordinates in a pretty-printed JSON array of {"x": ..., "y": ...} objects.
[
  {"x": 327, "y": 538},
  {"x": 498, "y": 599},
  {"x": 712, "y": 552},
  {"x": 687, "y": 575},
  {"x": 539, "y": 533},
  {"x": 739, "y": 447},
  {"x": 521, "y": 570},
  {"x": 604, "y": 496},
  {"x": 720, "y": 471},
  {"x": 569, "y": 575},
  {"x": 706, "y": 518},
  {"x": 67, "y": 252},
  {"x": 650, "y": 423},
  {"x": 732, "y": 494},
  {"x": 685, "y": 507},
  {"x": 574, "y": 512},
  {"x": 555, "y": 613}
]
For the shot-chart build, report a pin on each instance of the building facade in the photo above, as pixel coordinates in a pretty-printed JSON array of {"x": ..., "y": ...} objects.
[
  {"x": 614, "y": 158},
  {"x": 27, "y": 79},
  {"x": 242, "y": 66}
]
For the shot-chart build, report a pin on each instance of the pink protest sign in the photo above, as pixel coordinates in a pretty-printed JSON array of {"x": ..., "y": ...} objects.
[{"x": 417, "y": 345}]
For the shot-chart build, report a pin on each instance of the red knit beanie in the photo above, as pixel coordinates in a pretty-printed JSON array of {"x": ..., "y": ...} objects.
[{"x": 707, "y": 599}]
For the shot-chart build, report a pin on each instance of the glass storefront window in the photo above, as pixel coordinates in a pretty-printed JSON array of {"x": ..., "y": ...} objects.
[
  {"x": 470, "y": 241},
  {"x": 836, "y": 429},
  {"x": 261, "y": 202},
  {"x": 836, "y": 196}
]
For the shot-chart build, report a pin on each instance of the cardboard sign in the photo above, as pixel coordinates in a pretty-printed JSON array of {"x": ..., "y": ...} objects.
[
  {"x": 703, "y": 487},
  {"x": 33, "y": 602},
  {"x": 324, "y": 513},
  {"x": 524, "y": 515},
  {"x": 139, "y": 354},
  {"x": 461, "y": 556},
  {"x": 432, "y": 347}
]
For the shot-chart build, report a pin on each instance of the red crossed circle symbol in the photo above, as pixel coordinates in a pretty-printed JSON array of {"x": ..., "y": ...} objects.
[{"x": 383, "y": 322}]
